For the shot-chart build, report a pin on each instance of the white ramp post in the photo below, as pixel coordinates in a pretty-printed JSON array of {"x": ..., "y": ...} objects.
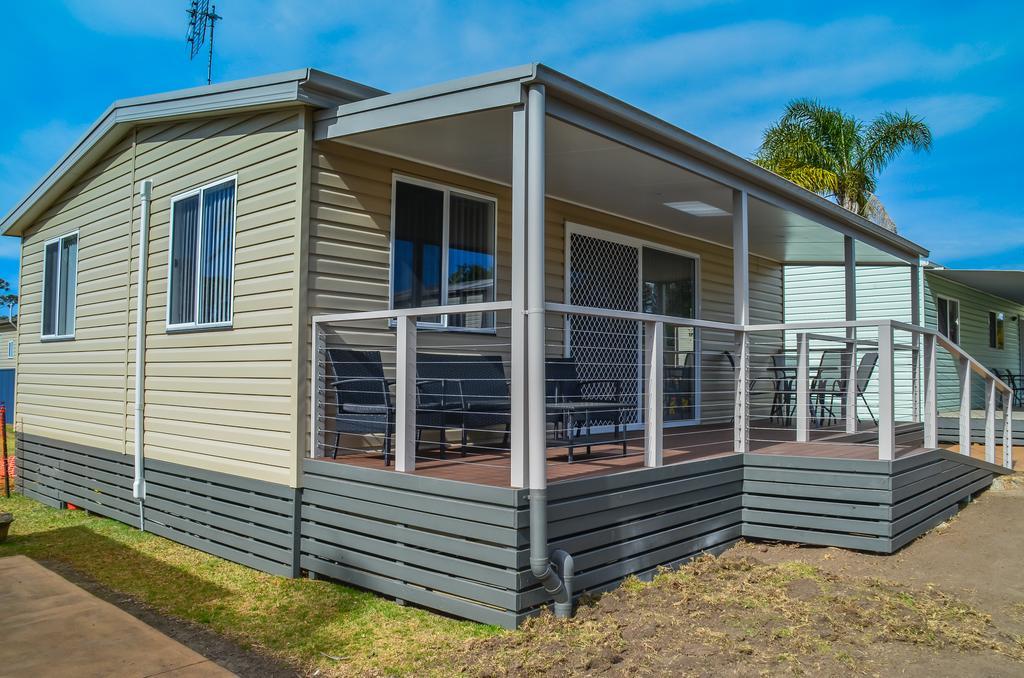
[
  {"x": 741, "y": 312},
  {"x": 886, "y": 394},
  {"x": 1008, "y": 430},
  {"x": 318, "y": 393},
  {"x": 990, "y": 420},
  {"x": 964, "y": 373},
  {"x": 405, "y": 395},
  {"x": 654, "y": 360},
  {"x": 931, "y": 401},
  {"x": 803, "y": 404},
  {"x": 915, "y": 359}
]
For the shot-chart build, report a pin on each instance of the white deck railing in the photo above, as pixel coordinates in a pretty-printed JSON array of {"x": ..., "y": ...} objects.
[{"x": 856, "y": 338}]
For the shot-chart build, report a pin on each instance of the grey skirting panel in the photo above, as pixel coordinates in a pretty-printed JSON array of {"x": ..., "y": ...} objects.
[
  {"x": 59, "y": 473},
  {"x": 949, "y": 429},
  {"x": 463, "y": 549},
  {"x": 868, "y": 505},
  {"x": 245, "y": 521}
]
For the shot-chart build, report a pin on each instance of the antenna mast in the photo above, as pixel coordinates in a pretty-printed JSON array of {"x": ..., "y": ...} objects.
[{"x": 201, "y": 17}]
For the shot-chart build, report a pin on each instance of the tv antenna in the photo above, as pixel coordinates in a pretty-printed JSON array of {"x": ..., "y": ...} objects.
[{"x": 201, "y": 17}]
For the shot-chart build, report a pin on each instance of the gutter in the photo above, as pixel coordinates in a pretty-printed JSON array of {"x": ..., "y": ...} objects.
[{"x": 139, "y": 485}]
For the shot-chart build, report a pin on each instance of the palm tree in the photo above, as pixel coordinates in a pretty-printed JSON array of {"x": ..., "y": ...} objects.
[{"x": 836, "y": 155}]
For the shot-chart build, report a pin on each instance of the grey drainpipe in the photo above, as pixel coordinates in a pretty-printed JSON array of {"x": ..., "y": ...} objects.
[
  {"x": 139, "y": 486},
  {"x": 540, "y": 561}
]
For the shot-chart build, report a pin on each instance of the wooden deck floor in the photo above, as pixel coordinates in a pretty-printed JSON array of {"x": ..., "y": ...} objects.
[{"x": 680, "y": 446}]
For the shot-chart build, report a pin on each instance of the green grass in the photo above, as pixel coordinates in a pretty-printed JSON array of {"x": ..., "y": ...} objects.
[{"x": 316, "y": 625}]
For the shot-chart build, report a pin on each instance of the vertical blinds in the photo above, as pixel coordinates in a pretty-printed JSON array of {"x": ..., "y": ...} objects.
[{"x": 202, "y": 257}]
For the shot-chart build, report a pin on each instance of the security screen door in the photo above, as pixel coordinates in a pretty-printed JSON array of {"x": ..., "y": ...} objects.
[{"x": 626, "y": 275}]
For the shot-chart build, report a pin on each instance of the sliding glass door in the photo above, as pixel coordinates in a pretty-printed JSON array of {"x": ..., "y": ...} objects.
[{"x": 605, "y": 270}]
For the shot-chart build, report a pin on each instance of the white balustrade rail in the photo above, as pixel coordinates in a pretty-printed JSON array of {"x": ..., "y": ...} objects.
[{"x": 654, "y": 326}]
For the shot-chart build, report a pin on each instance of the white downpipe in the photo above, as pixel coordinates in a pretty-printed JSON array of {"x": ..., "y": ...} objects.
[{"x": 145, "y": 195}]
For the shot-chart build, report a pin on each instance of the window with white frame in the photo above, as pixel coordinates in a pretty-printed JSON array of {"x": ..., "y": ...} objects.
[
  {"x": 199, "y": 289},
  {"x": 60, "y": 276},
  {"x": 10, "y": 348},
  {"x": 443, "y": 251},
  {"x": 948, "y": 315},
  {"x": 996, "y": 330}
]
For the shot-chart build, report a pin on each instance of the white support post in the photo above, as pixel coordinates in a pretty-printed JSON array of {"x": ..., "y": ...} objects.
[
  {"x": 535, "y": 355},
  {"x": 1008, "y": 430},
  {"x": 964, "y": 374},
  {"x": 518, "y": 438},
  {"x": 803, "y": 403},
  {"x": 915, "y": 360},
  {"x": 318, "y": 392},
  {"x": 405, "y": 395},
  {"x": 849, "y": 360},
  {"x": 741, "y": 309},
  {"x": 654, "y": 350},
  {"x": 886, "y": 395},
  {"x": 990, "y": 420},
  {"x": 931, "y": 399}
]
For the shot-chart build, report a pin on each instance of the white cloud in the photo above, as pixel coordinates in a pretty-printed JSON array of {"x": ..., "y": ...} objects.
[{"x": 956, "y": 229}]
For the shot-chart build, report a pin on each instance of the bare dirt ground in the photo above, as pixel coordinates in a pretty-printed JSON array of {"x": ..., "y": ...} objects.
[{"x": 951, "y": 603}]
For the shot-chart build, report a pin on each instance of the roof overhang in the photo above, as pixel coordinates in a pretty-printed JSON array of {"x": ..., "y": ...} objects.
[
  {"x": 306, "y": 86},
  {"x": 1007, "y": 285},
  {"x": 588, "y": 109}
]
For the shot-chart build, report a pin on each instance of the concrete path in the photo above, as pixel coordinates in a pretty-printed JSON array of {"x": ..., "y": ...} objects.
[{"x": 50, "y": 627}]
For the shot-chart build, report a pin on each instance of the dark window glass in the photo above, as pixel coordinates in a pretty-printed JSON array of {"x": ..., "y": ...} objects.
[
  {"x": 184, "y": 261},
  {"x": 419, "y": 232}
]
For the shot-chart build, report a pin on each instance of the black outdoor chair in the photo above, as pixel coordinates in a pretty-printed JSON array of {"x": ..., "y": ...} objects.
[
  {"x": 471, "y": 391},
  {"x": 865, "y": 369},
  {"x": 782, "y": 387},
  {"x": 1016, "y": 384},
  {"x": 362, "y": 398},
  {"x": 575, "y": 404},
  {"x": 824, "y": 387}
]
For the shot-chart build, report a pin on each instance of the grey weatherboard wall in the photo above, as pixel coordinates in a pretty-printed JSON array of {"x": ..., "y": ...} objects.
[{"x": 463, "y": 548}]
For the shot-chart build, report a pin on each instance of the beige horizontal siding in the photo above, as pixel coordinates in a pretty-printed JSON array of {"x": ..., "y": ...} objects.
[
  {"x": 223, "y": 399},
  {"x": 74, "y": 390}
]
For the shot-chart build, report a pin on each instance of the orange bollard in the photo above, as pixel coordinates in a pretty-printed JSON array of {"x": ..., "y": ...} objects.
[{"x": 3, "y": 445}]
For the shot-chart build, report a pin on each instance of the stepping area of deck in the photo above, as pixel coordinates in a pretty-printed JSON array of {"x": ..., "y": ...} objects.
[{"x": 681, "y": 445}]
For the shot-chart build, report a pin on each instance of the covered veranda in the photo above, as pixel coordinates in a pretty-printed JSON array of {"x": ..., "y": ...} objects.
[{"x": 551, "y": 143}]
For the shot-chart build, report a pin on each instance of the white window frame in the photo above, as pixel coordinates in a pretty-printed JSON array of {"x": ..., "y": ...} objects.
[
  {"x": 10, "y": 349},
  {"x": 447, "y": 190},
  {"x": 196, "y": 325},
  {"x": 939, "y": 299},
  {"x": 74, "y": 304}
]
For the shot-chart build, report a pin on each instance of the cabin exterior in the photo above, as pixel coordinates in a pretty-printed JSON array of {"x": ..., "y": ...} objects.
[
  {"x": 982, "y": 311},
  {"x": 482, "y": 346}
]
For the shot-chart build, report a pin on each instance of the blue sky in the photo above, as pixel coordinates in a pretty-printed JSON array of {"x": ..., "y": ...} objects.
[{"x": 722, "y": 70}]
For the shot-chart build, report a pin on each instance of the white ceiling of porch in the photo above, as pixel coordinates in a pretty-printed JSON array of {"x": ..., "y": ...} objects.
[{"x": 591, "y": 170}]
